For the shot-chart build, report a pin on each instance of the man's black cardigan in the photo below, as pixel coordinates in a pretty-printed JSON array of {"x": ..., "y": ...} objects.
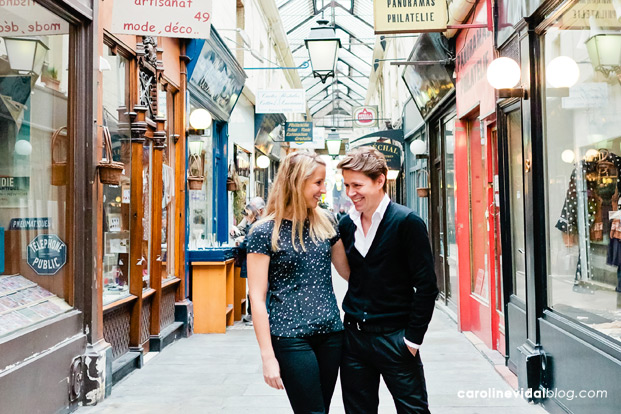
[{"x": 395, "y": 284}]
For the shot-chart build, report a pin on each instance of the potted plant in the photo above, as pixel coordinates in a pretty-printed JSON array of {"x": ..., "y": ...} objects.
[{"x": 49, "y": 76}]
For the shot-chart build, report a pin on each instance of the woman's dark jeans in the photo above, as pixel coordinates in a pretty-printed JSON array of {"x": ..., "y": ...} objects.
[{"x": 309, "y": 368}]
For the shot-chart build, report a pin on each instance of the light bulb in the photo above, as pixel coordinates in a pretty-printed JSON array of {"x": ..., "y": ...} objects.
[
  {"x": 23, "y": 147},
  {"x": 263, "y": 161},
  {"x": 200, "y": 119},
  {"x": 562, "y": 72},
  {"x": 418, "y": 146},
  {"x": 568, "y": 156},
  {"x": 503, "y": 73}
]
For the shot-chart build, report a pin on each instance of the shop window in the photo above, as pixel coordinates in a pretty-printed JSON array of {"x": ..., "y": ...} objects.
[
  {"x": 168, "y": 188},
  {"x": 200, "y": 209},
  {"x": 36, "y": 280},
  {"x": 116, "y": 198},
  {"x": 582, "y": 57}
]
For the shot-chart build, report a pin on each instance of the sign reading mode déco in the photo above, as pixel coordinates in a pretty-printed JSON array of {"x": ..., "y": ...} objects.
[{"x": 410, "y": 16}]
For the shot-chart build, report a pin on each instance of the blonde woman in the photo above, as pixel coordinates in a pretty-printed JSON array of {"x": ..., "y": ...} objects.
[{"x": 289, "y": 254}]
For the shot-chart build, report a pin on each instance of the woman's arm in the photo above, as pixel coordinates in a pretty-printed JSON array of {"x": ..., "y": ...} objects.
[
  {"x": 258, "y": 265},
  {"x": 339, "y": 259}
]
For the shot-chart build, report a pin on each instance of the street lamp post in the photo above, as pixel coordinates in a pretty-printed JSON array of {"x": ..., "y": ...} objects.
[{"x": 323, "y": 45}]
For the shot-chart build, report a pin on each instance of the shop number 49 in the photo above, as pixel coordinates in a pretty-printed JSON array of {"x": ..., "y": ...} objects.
[{"x": 202, "y": 17}]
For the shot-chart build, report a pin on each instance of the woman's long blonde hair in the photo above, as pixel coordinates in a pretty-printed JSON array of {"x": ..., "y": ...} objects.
[{"x": 287, "y": 196}]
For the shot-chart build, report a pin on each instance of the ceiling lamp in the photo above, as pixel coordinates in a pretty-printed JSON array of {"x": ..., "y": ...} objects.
[{"x": 323, "y": 45}]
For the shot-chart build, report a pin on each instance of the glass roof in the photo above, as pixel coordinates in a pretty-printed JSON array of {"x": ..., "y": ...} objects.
[{"x": 353, "y": 20}]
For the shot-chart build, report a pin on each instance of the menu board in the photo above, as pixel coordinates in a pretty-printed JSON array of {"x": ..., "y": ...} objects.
[{"x": 23, "y": 303}]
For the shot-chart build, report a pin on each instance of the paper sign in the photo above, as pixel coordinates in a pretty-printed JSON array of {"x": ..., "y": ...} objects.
[
  {"x": 281, "y": 101},
  {"x": 26, "y": 18},
  {"x": 169, "y": 18}
]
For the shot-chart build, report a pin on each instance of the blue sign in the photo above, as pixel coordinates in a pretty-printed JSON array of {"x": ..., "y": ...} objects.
[
  {"x": 299, "y": 132},
  {"x": 30, "y": 223},
  {"x": 47, "y": 253}
]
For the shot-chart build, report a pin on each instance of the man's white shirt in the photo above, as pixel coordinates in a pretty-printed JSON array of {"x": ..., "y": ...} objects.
[{"x": 363, "y": 243}]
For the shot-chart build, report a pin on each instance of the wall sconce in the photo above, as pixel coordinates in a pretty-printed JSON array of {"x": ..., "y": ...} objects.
[
  {"x": 26, "y": 54},
  {"x": 263, "y": 161},
  {"x": 605, "y": 53},
  {"x": 195, "y": 165},
  {"x": 418, "y": 147},
  {"x": 503, "y": 74},
  {"x": 200, "y": 119}
]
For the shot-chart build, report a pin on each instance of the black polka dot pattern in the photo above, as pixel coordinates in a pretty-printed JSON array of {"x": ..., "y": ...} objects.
[{"x": 302, "y": 301}]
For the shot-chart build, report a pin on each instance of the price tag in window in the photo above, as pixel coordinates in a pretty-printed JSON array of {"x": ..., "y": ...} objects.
[{"x": 126, "y": 195}]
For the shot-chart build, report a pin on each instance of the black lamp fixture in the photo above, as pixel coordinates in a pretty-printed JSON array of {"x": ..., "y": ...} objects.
[
  {"x": 323, "y": 46},
  {"x": 26, "y": 54}
]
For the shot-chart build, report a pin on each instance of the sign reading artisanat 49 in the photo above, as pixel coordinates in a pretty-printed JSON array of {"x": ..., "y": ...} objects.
[
  {"x": 410, "y": 16},
  {"x": 168, "y": 18},
  {"x": 47, "y": 253}
]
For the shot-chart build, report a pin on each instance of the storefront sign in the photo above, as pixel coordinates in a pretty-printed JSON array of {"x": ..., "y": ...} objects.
[
  {"x": 586, "y": 14},
  {"x": 34, "y": 223},
  {"x": 365, "y": 116},
  {"x": 26, "y": 18},
  {"x": 392, "y": 153},
  {"x": 281, "y": 101},
  {"x": 298, "y": 131},
  {"x": 410, "y": 16},
  {"x": 476, "y": 51},
  {"x": 216, "y": 78},
  {"x": 190, "y": 19},
  {"x": 14, "y": 191},
  {"x": 47, "y": 254},
  {"x": 318, "y": 142}
]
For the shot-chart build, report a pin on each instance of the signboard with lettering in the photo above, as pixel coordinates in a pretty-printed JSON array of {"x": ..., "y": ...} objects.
[
  {"x": 393, "y": 154},
  {"x": 586, "y": 14},
  {"x": 410, "y": 16},
  {"x": 280, "y": 101},
  {"x": 26, "y": 18},
  {"x": 29, "y": 223},
  {"x": 298, "y": 131},
  {"x": 216, "y": 78},
  {"x": 365, "y": 116},
  {"x": 190, "y": 19},
  {"x": 476, "y": 52},
  {"x": 14, "y": 191},
  {"x": 47, "y": 254}
]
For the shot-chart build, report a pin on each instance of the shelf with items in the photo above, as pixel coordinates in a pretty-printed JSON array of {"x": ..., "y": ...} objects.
[{"x": 24, "y": 303}]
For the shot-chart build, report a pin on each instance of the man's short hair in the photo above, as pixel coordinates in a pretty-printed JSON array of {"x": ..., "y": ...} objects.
[{"x": 368, "y": 161}]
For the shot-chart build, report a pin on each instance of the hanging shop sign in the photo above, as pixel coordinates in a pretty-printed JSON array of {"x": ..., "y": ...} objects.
[
  {"x": 318, "y": 142},
  {"x": 392, "y": 153},
  {"x": 365, "y": 116},
  {"x": 410, "y": 16},
  {"x": 216, "y": 78},
  {"x": 190, "y": 19},
  {"x": 476, "y": 52},
  {"x": 47, "y": 254},
  {"x": 298, "y": 131},
  {"x": 587, "y": 14},
  {"x": 280, "y": 101},
  {"x": 26, "y": 18}
]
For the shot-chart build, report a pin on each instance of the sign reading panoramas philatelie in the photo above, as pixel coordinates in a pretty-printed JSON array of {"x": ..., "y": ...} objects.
[
  {"x": 410, "y": 16},
  {"x": 190, "y": 19}
]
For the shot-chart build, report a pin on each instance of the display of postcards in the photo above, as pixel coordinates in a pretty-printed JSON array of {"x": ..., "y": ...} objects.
[
  {"x": 4, "y": 308},
  {"x": 39, "y": 291},
  {"x": 20, "y": 298},
  {"x": 17, "y": 282},
  {"x": 31, "y": 315},
  {"x": 46, "y": 309},
  {"x": 12, "y": 321},
  {"x": 8, "y": 302}
]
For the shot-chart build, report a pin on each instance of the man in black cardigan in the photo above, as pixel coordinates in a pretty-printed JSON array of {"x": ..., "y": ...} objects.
[{"x": 391, "y": 294}]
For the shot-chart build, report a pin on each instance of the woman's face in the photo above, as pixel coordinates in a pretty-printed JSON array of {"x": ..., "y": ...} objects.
[{"x": 315, "y": 186}]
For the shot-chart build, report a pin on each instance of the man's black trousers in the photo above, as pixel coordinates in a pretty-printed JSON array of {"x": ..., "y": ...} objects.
[{"x": 366, "y": 356}]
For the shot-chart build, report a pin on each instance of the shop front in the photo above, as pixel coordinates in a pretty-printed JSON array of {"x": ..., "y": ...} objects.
[
  {"x": 433, "y": 91},
  {"x": 416, "y": 156},
  {"x": 562, "y": 155},
  {"x": 46, "y": 250},
  {"x": 269, "y": 136}
]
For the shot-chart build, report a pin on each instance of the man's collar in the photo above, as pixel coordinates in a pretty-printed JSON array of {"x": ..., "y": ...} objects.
[{"x": 381, "y": 209}]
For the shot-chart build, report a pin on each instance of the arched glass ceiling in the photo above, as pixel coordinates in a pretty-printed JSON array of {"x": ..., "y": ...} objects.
[{"x": 353, "y": 20}]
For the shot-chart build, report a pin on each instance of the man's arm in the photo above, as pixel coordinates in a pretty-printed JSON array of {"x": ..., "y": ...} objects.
[{"x": 423, "y": 279}]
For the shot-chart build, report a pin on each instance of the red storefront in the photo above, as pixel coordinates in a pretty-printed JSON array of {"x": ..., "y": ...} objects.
[{"x": 476, "y": 187}]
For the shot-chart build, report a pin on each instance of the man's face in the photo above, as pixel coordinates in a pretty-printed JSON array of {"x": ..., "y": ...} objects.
[{"x": 364, "y": 192}]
